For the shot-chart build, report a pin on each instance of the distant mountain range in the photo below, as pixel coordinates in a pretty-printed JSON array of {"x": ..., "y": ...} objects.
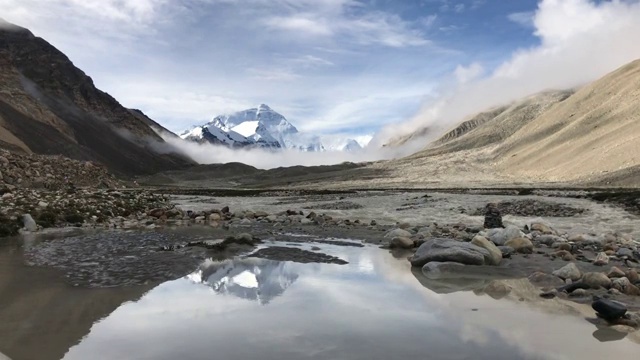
[{"x": 262, "y": 127}]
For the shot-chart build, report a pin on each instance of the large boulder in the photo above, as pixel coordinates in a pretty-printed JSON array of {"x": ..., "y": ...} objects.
[
  {"x": 496, "y": 254},
  {"x": 521, "y": 245},
  {"x": 501, "y": 236},
  {"x": 569, "y": 271},
  {"x": 448, "y": 250}
]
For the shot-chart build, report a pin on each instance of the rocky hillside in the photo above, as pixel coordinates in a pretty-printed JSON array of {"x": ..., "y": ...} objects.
[
  {"x": 585, "y": 136},
  {"x": 49, "y": 106}
]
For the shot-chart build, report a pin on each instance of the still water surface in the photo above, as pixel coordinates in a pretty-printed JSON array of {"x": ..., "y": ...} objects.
[{"x": 247, "y": 308}]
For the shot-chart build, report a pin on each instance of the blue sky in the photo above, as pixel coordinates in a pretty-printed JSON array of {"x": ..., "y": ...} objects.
[
  {"x": 328, "y": 65},
  {"x": 349, "y": 67}
]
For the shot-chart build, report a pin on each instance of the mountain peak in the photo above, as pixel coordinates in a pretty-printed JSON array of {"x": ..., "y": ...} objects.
[{"x": 264, "y": 107}]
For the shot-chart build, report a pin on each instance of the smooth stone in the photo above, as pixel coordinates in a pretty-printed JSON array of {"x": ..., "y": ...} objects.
[
  {"x": 624, "y": 252},
  {"x": 496, "y": 254},
  {"x": 521, "y": 245},
  {"x": 543, "y": 228},
  {"x": 569, "y": 271},
  {"x": 397, "y": 233},
  {"x": 615, "y": 273},
  {"x": 501, "y": 236},
  {"x": 401, "y": 243},
  {"x": 608, "y": 309},
  {"x": 596, "y": 280},
  {"x": 633, "y": 276},
  {"x": 578, "y": 293},
  {"x": 448, "y": 250}
]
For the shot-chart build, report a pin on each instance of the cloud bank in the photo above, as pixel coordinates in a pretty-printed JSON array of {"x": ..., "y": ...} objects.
[
  {"x": 580, "y": 41},
  {"x": 268, "y": 159}
]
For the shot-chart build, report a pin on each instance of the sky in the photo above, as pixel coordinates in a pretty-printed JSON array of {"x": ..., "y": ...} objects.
[
  {"x": 379, "y": 68},
  {"x": 329, "y": 66}
]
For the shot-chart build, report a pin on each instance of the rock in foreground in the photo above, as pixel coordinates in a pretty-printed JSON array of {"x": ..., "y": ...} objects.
[{"x": 448, "y": 250}]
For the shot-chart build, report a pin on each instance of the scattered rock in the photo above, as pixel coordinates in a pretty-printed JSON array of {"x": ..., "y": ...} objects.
[
  {"x": 615, "y": 273},
  {"x": 506, "y": 251},
  {"x": 633, "y": 276},
  {"x": 542, "y": 228},
  {"x": 501, "y": 236},
  {"x": 608, "y": 309},
  {"x": 521, "y": 245},
  {"x": 624, "y": 286},
  {"x": 601, "y": 259},
  {"x": 596, "y": 280},
  {"x": 578, "y": 293},
  {"x": 398, "y": 233},
  {"x": 448, "y": 250},
  {"x": 569, "y": 271},
  {"x": 622, "y": 252},
  {"x": 401, "y": 243},
  {"x": 496, "y": 254}
]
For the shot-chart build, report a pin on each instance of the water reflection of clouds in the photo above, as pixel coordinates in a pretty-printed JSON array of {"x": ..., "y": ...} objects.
[{"x": 368, "y": 309}]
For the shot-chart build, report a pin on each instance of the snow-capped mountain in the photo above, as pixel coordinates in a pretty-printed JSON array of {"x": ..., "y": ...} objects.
[
  {"x": 249, "y": 278},
  {"x": 264, "y": 128}
]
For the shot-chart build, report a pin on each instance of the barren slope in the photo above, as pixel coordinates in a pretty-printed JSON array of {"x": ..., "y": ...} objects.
[
  {"x": 594, "y": 132},
  {"x": 49, "y": 106}
]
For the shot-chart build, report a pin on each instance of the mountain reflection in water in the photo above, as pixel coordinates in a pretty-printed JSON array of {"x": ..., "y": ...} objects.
[
  {"x": 250, "y": 278},
  {"x": 372, "y": 308}
]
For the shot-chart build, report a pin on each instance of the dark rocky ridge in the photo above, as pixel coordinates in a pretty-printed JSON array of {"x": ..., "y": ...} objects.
[{"x": 49, "y": 106}]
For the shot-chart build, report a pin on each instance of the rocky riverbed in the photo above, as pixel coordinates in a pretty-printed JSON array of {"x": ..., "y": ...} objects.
[{"x": 570, "y": 249}]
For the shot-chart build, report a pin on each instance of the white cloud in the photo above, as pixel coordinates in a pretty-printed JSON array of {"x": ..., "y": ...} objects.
[
  {"x": 524, "y": 18},
  {"x": 464, "y": 74},
  {"x": 300, "y": 23},
  {"x": 340, "y": 22},
  {"x": 580, "y": 41},
  {"x": 268, "y": 159}
]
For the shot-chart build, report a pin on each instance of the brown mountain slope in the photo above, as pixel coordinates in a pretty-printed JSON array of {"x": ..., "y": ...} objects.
[
  {"x": 49, "y": 106},
  {"x": 589, "y": 136},
  {"x": 496, "y": 125},
  {"x": 594, "y": 132}
]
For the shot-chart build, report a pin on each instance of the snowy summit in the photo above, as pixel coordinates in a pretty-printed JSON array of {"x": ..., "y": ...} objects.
[{"x": 262, "y": 127}]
